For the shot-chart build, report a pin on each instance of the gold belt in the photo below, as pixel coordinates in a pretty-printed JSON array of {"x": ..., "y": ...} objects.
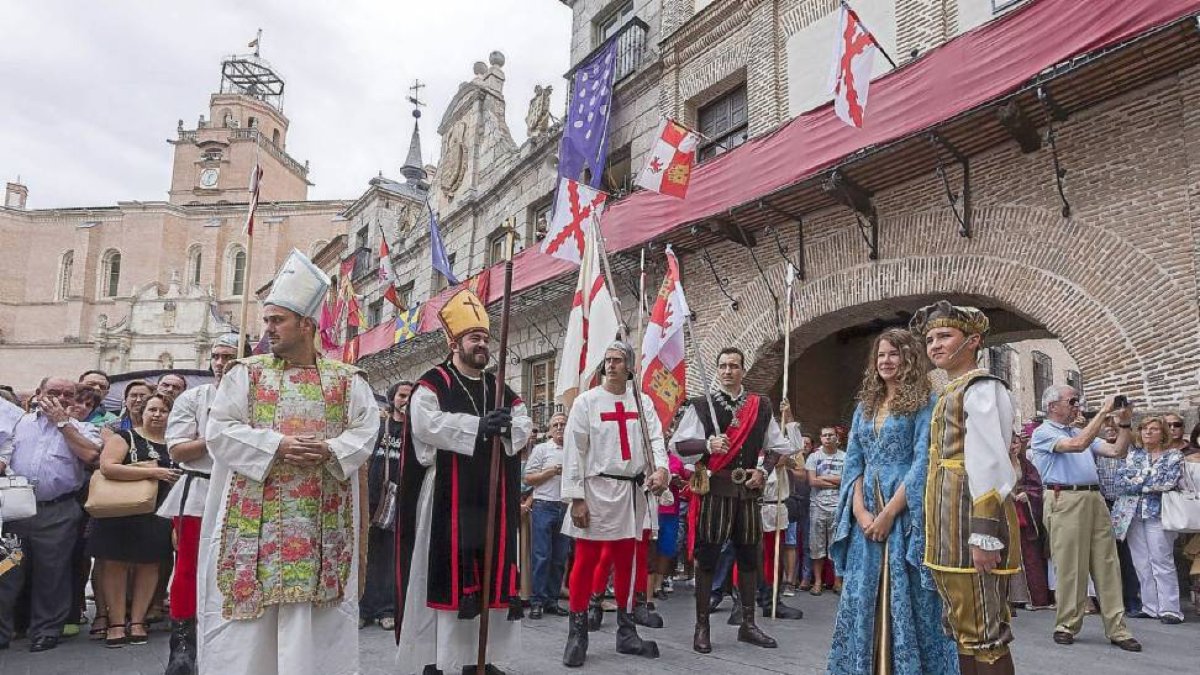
[{"x": 952, "y": 463}]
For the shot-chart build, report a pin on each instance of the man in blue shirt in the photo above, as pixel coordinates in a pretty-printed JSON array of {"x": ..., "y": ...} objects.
[{"x": 1075, "y": 515}]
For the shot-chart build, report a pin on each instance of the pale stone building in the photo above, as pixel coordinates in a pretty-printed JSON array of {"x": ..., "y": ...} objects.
[{"x": 148, "y": 285}]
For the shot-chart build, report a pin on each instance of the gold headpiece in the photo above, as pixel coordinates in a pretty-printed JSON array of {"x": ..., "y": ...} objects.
[
  {"x": 462, "y": 314},
  {"x": 942, "y": 314}
]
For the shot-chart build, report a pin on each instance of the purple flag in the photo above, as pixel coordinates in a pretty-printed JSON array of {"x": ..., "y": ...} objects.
[{"x": 585, "y": 134}]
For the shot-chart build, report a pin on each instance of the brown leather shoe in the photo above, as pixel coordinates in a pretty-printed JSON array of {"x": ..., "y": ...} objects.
[
  {"x": 1128, "y": 644},
  {"x": 1062, "y": 637}
]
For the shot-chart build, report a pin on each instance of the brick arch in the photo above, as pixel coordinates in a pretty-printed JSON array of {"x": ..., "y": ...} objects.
[{"x": 1026, "y": 260}]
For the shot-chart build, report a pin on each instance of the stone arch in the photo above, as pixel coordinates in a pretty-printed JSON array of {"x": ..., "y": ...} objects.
[{"x": 1027, "y": 260}]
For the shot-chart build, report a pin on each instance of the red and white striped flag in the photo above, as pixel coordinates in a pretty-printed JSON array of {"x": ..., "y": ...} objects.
[
  {"x": 668, "y": 168},
  {"x": 255, "y": 185},
  {"x": 853, "y": 60},
  {"x": 664, "y": 370}
]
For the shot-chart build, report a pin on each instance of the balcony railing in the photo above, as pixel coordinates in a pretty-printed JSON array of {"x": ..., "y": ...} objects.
[
  {"x": 274, "y": 150},
  {"x": 631, "y": 50}
]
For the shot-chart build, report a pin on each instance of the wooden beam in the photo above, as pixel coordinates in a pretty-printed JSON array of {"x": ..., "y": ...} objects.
[{"x": 1019, "y": 126}]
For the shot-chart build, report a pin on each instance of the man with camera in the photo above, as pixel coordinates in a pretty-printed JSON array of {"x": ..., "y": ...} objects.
[{"x": 1076, "y": 517}]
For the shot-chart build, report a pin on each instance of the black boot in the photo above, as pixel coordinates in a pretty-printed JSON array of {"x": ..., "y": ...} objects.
[
  {"x": 644, "y": 614},
  {"x": 577, "y": 640},
  {"x": 595, "y": 613},
  {"x": 431, "y": 670},
  {"x": 629, "y": 642},
  {"x": 749, "y": 632},
  {"x": 182, "y": 660},
  {"x": 782, "y": 611},
  {"x": 735, "y": 612},
  {"x": 702, "y": 642}
]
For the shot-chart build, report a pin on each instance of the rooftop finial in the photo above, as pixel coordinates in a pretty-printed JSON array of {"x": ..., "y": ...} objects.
[
  {"x": 415, "y": 98},
  {"x": 413, "y": 169},
  {"x": 256, "y": 43}
]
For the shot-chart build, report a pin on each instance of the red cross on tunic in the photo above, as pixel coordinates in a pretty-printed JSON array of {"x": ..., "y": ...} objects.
[{"x": 621, "y": 416}]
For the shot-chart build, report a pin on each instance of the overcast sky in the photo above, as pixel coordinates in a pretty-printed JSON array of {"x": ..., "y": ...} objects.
[{"x": 92, "y": 90}]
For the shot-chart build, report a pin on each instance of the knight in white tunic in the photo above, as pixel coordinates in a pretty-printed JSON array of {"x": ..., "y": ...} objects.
[
  {"x": 610, "y": 488},
  {"x": 279, "y": 540},
  {"x": 442, "y": 519}
]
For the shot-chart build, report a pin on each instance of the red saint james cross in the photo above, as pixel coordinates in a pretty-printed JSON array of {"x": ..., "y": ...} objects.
[{"x": 620, "y": 416}]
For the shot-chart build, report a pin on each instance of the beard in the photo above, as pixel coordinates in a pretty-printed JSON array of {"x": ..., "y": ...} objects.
[{"x": 477, "y": 358}]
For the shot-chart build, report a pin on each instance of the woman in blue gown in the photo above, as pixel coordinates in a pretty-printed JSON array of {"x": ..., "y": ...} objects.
[{"x": 889, "y": 617}]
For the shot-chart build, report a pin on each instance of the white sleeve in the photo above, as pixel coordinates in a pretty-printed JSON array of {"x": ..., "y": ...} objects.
[
  {"x": 777, "y": 443},
  {"x": 354, "y": 445},
  {"x": 520, "y": 430},
  {"x": 537, "y": 459},
  {"x": 432, "y": 428},
  {"x": 658, "y": 446},
  {"x": 576, "y": 442},
  {"x": 794, "y": 436},
  {"x": 990, "y": 475},
  {"x": 689, "y": 429},
  {"x": 230, "y": 438},
  {"x": 182, "y": 423}
]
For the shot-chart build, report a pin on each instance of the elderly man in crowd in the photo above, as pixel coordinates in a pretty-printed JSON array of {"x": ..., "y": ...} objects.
[
  {"x": 52, "y": 449},
  {"x": 1076, "y": 517},
  {"x": 171, "y": 384}
]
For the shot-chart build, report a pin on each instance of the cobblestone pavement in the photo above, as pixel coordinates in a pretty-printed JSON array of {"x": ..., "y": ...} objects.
[{"x": 803, "y": 648}]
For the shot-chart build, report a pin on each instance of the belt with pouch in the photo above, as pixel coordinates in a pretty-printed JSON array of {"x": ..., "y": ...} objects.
[{"x": 732, "y": 483}]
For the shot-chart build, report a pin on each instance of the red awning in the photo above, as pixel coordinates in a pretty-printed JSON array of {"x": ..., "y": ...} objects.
[{"x": 979, "y": 66}]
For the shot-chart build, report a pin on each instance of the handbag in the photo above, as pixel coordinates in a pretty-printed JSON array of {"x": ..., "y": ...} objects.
[
  {"x": 118, "y": 498},
  {"x": 1181, "y": 507},
  {"x": 384, "y": 516},
  {"x": 17, "y": 500}
]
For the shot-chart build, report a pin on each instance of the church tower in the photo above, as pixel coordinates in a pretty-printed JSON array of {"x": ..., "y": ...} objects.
[{"x": 245, "y": 126}]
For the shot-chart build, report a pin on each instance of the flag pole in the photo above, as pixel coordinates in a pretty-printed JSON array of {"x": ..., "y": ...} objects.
[
  {"x": 856, "y": 17},
  {"x": 780, "y": 470},
  {"x": 255, "y": 190},
  {"x": 489, "y": 541},
  {"x": 635, "y": 369}
]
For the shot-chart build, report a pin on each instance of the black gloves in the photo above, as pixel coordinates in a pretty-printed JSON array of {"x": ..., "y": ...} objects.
[{"x": 498, "y": 421}]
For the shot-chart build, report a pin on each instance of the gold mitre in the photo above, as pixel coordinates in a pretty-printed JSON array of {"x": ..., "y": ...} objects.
[
  {"x": 942, "y": 314},
  {"x": 462, "y": 314}
]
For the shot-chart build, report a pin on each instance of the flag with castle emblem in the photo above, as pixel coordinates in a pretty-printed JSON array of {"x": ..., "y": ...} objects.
[
  {"x": 850, "y": 75},
  {"x": 576, "y": 210},
  {"x": 408, "y": 324},
  {"x": 664, "y": 370},
  {"x": 668, "y": 168},
  {"x": 591, "y": 326}
]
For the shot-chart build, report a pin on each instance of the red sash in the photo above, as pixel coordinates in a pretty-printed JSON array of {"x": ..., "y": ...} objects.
[{"x": 747, "y": 415}]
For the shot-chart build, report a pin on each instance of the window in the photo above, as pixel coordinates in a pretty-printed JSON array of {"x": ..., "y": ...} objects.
[
  {"x": 724, "y": 124},
  {"x": 193, "y": 264},
  {"x": 1043, "y": 375},
  {"x": 539, "y": 220},
  {"x": 361, "y": 237},
  {"x": 275, "y": 137},
  {"x": 110, "y": 274},
  {"x": 227, "y": 119},
  {"x": 375, "y": 313},
  {"x": 612, "y": 22},
  {"x": 211, "y": 156},
  {"x": 66, "y": 267},
  {"x": 237, "y": 270},
  {"x": 1001, "y": 6},
  {"x": 539, "y": 392},
  {"x": 630, "y": 45},
  {"x": 252, "y": 123},
  {"x": 618, "y": 173},
  {"x": 1075, "y": 380},
  {"x": 496, "y": 248},
  {"x": 405, "y": 293},
  {"x": 1000, "y": 362},
  {"x": 439, "y": 279}
]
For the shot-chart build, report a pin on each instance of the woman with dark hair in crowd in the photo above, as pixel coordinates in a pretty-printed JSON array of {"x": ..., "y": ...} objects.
[
  {"x": 1028, "y": 497},
  {"x": 136, "y": 393},
  {"x": 889, "y": 616},
  {"x": 378, "y": 604},
  {"x": 134, "y": 543}
]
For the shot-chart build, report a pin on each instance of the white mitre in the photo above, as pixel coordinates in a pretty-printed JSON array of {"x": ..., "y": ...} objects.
[{"x": 300, "y": 286}]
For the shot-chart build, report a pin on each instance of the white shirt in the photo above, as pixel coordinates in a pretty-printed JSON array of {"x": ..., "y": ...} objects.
[
  {"x": 604, "y": 436},
  {"x": 543, "y": 456},
  {"x": 189, "y": 416}
]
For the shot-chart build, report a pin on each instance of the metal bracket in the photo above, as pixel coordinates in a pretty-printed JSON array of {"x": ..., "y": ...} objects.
[
  {"x": 1055, "y": 113},
  {"x": 850, "y": 194},
  {"x": 545, "y": 337},
  {"x": 798, "y": 264},
  {"x": 721, "y": 283},
  {"x": 963, "y": 217},
  {"x": 770, "y": 291}
]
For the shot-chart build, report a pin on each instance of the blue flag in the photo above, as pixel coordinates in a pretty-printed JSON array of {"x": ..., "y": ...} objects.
[
  {"x": 585, "y": 133},
  {"x": 441, "y": 262}
]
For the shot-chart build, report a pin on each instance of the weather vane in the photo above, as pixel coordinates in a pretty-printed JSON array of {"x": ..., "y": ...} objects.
[{"x": 415, "y": 99}]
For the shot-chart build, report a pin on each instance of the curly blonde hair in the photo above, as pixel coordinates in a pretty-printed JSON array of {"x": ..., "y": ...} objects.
[{"x": 913, "y": 377}]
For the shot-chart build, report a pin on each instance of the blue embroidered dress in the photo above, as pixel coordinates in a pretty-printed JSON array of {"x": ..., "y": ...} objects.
[{"x": 896, "y": 454}]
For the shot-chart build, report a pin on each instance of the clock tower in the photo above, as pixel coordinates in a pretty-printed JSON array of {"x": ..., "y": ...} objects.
[{"x": 245, "y": 126}]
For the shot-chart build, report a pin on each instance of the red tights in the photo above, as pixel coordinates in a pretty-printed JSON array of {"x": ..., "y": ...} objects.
[{"x": 183, "y": 581}]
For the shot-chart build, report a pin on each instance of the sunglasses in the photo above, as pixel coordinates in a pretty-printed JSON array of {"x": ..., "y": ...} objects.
[{"x": 1073, "y": 402}]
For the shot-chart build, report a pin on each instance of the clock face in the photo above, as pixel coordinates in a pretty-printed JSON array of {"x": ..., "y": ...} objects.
[{"x": 208, "y": 178}]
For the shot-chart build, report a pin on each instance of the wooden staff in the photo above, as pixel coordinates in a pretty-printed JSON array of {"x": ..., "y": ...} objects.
[
  {"x": 489, "y": 541},
  {"x": 779, "y": 470}
]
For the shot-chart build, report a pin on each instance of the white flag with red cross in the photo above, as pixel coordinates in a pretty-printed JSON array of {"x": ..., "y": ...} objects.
[
  {"x": 853, "y": 60},
  {"x": 591, "y": 326},
  {"x": 664, "y": 371},
  {"x": 668, "y": 169},
  {"x": 576, "y": 209}
]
